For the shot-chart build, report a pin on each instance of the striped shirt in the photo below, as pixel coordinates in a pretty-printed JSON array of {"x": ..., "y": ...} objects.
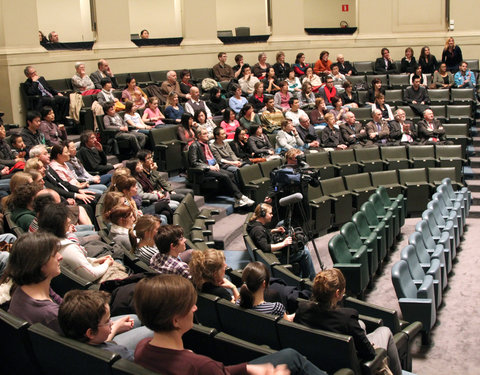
[
  {"x": 146, "y": 253},
  {"x": 273, "y": 308}
]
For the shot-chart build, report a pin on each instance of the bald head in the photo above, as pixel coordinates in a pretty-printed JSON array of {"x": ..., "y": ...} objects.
[{"x": 194, "y": 92}]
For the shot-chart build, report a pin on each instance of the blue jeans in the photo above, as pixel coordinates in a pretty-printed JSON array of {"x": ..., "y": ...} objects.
[
  {"x": 304, "y": 259},
  {"x": 131, "y": 338},
  {"x": 105, "y": 179},
  {"x": 296, "y": 363}
]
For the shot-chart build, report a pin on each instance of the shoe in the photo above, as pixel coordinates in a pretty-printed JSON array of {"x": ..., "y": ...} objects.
[
  {"x": 247, "y": 200},
  {"x": 239, "y": 203}
]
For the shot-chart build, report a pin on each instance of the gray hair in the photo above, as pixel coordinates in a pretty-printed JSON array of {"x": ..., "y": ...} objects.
[
  {"x": 26, "y": 70},
  {"x": 77, "y": 64},
  {"x": 35, "y": 151}
]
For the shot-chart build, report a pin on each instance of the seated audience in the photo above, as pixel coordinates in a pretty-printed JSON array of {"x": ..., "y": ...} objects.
[
  {"x": 452, "y": 55},
  {"x": 194, "y": 103},
  {"x": 185, "y": 81},
  {"x": 314, "y": 80},
  {"x": 142, "y": 238},
  {"x": 262, "y": 238},
  {"x": 402, "y": 132},
  {"x": 230, "y": 123},
  {"x": 186, "y": 132},
  {"x": 307, "y": 133},
  {"x": 31, "y": 133},
  {"x": 258, "y": 143},
  {"x": 375, "y": 89},
  {"x": 328, "y": 91},
  {"x": 442, "y": 78},
  {"x": 300, "y": 66},
  {"x": 173, "y": 110},
  {"x": 294, "y": 85},
  {"x": 270, "y": 83},
  {"x": 200, "y": 118},
  {"x": 271, "y": 117},
  {"x": 338, "y": 109},
  {"x": 237, "y": 101},
  {"x": 307, "y": 97},
  {"x": 248, "y": 80},
  {"x": 9, "y": 157},
  {"x": 430, "y": 130},
  {"x": 281, "y": 66},
  {"x": 385, "y": 64},
  {"x": 323, "y": 312},
  {"x": 323, "y": 64},
  {"x": 257, "y": 99},
  {"x": 170, "y": 242},
  {"x": 465, "y": 78},
  {"x": 91, "y": 154},
  {"x": 54, "y": 134},
  {"x": 427, "y": 61},
  {"x": 237, "y": 69},
  {"x": 423, "y": 77},
  {"x": 105, "y": 95},
  {"x": 380, "y": 104},
  {"x": 81, "y": 82},
  {"x": 408, "y": 62},
  {"x": 208, "y": 274},
  {"x": 349, "y": 97},
  {"x": 200, "y": 155},
  {"x": 222, "y": 71},
  {"x": 84, "y": 315},
  {"x": 377, "y": 129},
  {"x": 132, "y": 118},
  {"x": 113, "y": 121},
  {"x": 222, "y": 152},
  {"x": 317, "y": 115},
  {"x": 282, "y": 97},
  {"x": 171, "y": 85},
  {"x": 332, "y": 137},
  {"x": 122, "y": 219},
  {"x": 217, "y": 104},
  {"x": 239, "y": 145},
  {"x": 104, "y": 71},
  {"x": 416, "y": 96},
  {"x": 152, "y": 113},
  {"x": 353, "y": 132},
  {"x": 260, "y": 69},
  {"x": 133, "y": 93},
  {"x": 20, "y": 204},
  {"x": 288, "y": 138},
  {"x": 338, "y": 78},
  {"x": 36, "y": 85},
  {"x": 166, "y": 304},
  {"x": 55, "y": 220},
  {"x": 18, "y": 146},
  {"x": 294, "y": 113},
  {"x": 247, "y": 117},
  {"x": 345, "y": 67}
]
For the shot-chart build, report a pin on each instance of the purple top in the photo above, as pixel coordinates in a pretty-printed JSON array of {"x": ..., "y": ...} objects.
[{"x": 34, "y": 310}]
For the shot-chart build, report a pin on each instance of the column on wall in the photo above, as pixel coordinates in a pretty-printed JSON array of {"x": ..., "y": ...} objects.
[
  {"x": 113, "y": 25},
  {"x": 287, "y": 20},
  {"x": 199, "y": 22}
]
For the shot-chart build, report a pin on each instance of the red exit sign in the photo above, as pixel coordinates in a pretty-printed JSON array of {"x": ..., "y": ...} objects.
[{"x": 344, "y": 7}]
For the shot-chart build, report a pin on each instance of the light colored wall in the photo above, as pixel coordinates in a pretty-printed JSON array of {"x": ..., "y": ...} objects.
[
  {"x": 325, "y": 13},
  {"x": 19, "y": 46},
  {"x": 69, "y": 18},
  {"x": 251, "y": 13},
  {"x": 157, "y": 16}
]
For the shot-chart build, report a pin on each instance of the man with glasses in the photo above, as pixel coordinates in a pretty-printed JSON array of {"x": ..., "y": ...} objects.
[
  {"x": 327, "y": 92},
  {"x": 402, "y": 132}
]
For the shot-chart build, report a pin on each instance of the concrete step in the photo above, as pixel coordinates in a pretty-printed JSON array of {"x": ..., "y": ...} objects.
[
  {"x": 474, "y": 212},
  {"x": 226, "y": 230},
  {"x": 475, "y": 161},
  {"x": 476, "y": 173},
  {"x": 473, "y": 185},
  {"x": 476, "y": 141},
  {"x": 476, "y": 198}
]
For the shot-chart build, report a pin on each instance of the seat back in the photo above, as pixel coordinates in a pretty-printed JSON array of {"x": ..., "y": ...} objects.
[
  {"x": 159, "y": 75},
  {"x": 358, "y": 181},
  {"x": 363, "y": 67},
  {"x": 394, "y": 97},
  {"x": 422, "y": 228},
  {"x": 370, "y": 213},
  {"x": 360, "y": 221},
  {"x": 414, "y": 175},
  {"x": 362, "y": 114},
  {"x": 416, "y": 240},
  {"x": 409, "y": 255},
  {"x": 435, "y": 207},
  {"x": 192, "y": 207},
  {"x": 398, "y": 81},
  {"x": 448, "y": 151},
  {"x": 163, "y": 135},
  {"x": 462, "y": 95},
  {"x": 367, "y": 154},
  {"x": 249, "y": 325},
  {"x": 249, "y": 173},
  {"x": 126, "y": 367},
  {"x": 456, "y": 130},
  {"x": 394, "y": 153},
  {"x": 17, "y": 353},
  {"x": 439, "y": 96},
  {"x": 328, "y": 351},
  {"x": 439, "y": 111},
  {"x": 350, "y": 234},
  {"x": 402, "y": 281},
  {"x": 207, "y": 313},
  {"x": 436, "y": 175},
  {"x": 318, "y": 159},
  {"x": 67, "y": 280},
  {"x": 268, "y": 166},
  {"x": 384, "y": 178},
  {"x": 333, "y": 185},
  {"x": 383, "y": 194},
  {"x": 377, "y": 204},
  {"x": 459, "y": 112},
  {"x": 338, "y": 249},
  {"x": 423, "y": 151},
  {"x": 56, "y": 353},
  {"x": 429, "y": 218}
]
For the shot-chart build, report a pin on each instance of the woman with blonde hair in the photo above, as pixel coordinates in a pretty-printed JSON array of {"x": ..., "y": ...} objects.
[
  {"x": 34, "y": 164},
  {"x": 142, "y": 239},
  {"x": 452, "y": 55},
  {"x": 173, "y": 110},
  {"x": 208, "y": 274},
  {"x": 123, "y": 218},
  {"x": 323, "y": 312}
]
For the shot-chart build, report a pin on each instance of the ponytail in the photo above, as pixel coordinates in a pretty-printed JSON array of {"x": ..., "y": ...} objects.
[{"x": 253, "y": 276}]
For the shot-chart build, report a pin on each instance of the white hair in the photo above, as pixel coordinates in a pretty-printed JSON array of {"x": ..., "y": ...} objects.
[{"x": 35, "y": 151}]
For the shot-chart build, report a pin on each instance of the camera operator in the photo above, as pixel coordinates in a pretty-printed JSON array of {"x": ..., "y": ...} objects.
[{"x": 262, "y": 238}]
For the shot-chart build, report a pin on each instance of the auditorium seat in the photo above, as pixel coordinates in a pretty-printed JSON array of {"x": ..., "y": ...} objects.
[
  {"x": 369, "y": 234},
  {"x": 361, "y": 187}
]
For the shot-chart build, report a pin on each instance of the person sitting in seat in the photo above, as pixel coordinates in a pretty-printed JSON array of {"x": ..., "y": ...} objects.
[
  {"x": 353, "y": 132},
  {"x": 282, "y": 97},
  {"x": 307, "y": 132},
  {"x": 271, "y": 117},
  {"x": 31, "y": 134},
  {"x": 380, "y": 104},
  {"x": 402, "y": 132},
  {"x": 216, "y": 103},
  {"x": 91, "y": 154},
  {"x": 262, "y": 237},
  {"x": 377, "y": 129},
  {"x": 307, "y": 97},
  {"x": 171, "y": 85},
  {"x": 332, "y": 137},
  {"x": 344, "y": 66},
  {"x": 288, "y": 137},
  {"x": 385, "y": 64},
  {"x": 240, "y": 146},
  {"x": 166, "y": 304},
  {"x": 152, "y": 113},
  {"x": 200, "y": 156},
  {"x": 431, "y": 131},
  {"x": 323, "y": 312},
  {"x": 294, "y": 113},
  {"x": 173, "y": 110},
  {"x": 222, "y": 152},
  {"x": 104, "y": 71},
  {"x": 258, "y": 143},
  {"x": 314, "y": 80},
  {"x": 281, "y": 66},
  {"x": 81, "y": 82},
  {"x": 54, "y": 134},
  {"x": 195, "y": 103},
  {"x": 248, "y": 80},
  {"x": 416, "y": 96},
  {"x": 465, "y": 78},
  {"x": 230, "y": 122},
  {"x": 222, "y": 71},
  {"x": 323, "y": 64},
  {"x": 134, "y": 93}
]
